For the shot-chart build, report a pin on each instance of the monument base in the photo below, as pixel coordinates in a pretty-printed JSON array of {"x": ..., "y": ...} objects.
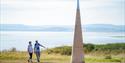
[{"x": 77, "y": 62}]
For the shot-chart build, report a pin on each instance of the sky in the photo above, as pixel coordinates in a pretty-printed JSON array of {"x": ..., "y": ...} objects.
[{"x": 61, "y": 12}]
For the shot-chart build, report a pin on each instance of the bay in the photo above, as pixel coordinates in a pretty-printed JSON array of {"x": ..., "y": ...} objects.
[{"x": 20, "y": 39}]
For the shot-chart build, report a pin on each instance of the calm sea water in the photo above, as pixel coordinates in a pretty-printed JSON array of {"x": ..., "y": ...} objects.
[{"x": 20, "y": 40}]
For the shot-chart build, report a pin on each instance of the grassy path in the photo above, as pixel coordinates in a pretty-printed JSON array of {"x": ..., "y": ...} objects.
[
  {"x": 23, "y": 61},
  {"x": 21, "y": 57}
]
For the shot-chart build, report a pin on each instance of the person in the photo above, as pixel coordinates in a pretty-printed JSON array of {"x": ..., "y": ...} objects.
[
  {"x": 37, "y": 50},
  {"x": 30, "y": 51}
]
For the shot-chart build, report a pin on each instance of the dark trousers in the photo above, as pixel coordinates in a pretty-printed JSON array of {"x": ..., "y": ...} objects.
[{"x": 30, "y": 54}]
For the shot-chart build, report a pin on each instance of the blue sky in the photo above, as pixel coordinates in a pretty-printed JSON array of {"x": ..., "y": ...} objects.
[{"x": 62, "y": 12}]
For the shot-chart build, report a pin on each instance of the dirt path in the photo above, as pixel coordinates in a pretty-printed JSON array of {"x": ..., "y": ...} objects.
[{"x": 24, "y": 61}]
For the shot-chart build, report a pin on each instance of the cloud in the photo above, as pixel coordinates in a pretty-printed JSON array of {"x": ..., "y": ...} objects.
[
  {"x": 61, "y": 12},
  {"x": 104, "y": 12}
]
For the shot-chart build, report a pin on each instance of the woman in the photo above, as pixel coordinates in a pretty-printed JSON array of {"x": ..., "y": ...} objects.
[{"x": 30, "y": 51}]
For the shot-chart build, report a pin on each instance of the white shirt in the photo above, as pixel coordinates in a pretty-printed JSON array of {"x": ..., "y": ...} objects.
[{"x": 30, "y": 49}]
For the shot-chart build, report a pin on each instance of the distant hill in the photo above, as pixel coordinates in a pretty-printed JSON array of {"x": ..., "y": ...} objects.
[
  {"x": 104, "y": 28},
  {"x": 63, "y": 28}
]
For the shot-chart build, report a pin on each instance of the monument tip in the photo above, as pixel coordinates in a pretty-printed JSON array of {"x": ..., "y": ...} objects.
[{"x": 77, "y": 4}]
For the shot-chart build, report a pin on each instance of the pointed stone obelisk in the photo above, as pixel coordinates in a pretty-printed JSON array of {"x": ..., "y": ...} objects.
[{"x": 77, "y": 48}]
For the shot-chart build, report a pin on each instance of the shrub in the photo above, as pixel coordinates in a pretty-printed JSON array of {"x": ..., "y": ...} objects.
[
  {"x": 64, "y": 50},
  {"x": 13, "y": 49},
  {"x": 108, "y": 57}
]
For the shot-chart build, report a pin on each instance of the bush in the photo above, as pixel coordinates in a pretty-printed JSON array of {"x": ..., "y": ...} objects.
[
  {"x": 64, "y": 50},
  {"x": 108, "y": 57},
  {"x": 13, "y": 49},
  {"x": 114, "y": 48},
  {"x": 88, "y": 48}
]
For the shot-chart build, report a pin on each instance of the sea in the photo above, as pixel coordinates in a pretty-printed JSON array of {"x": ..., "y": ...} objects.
[{"x": 20, "y": 39}]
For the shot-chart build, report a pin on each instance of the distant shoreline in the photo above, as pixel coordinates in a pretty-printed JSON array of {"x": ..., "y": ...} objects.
[
  {"x": 57, "y": 31},
  {"x": 62, "y": 28}
]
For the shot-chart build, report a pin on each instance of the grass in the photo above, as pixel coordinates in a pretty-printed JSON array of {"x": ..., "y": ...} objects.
[{"x": 16, "y": 57}]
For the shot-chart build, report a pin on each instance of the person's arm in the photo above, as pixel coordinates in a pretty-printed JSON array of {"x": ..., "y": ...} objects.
[
  {"x": 42, "y": 46},
  {"x": 28, "y": 48}
]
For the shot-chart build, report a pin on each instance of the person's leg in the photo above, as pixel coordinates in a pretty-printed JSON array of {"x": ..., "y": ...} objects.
[
  {"x": 31, "y": 54},
  {"x": 30, "y": 57},
  {"x": 37, "y": 56}
]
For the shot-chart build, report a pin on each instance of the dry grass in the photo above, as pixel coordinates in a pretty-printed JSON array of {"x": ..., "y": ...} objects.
[{"x": 22, "y": 57}]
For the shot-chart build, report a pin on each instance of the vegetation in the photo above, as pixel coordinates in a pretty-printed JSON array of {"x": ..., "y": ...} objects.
[
  {"x": 116, "y": 48},
  {"x": 64, "y": 50},
  {"x": 118, "y": 36},
  {"x": 93, "y": 53}
]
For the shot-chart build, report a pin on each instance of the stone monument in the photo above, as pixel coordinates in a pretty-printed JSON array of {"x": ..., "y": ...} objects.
[{"x": 77, "y": 48}]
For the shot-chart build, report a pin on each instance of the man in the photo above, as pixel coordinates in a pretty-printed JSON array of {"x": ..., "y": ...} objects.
[
  {"x": 30, "y": 51},
  {"x": 37, "y": 50}
]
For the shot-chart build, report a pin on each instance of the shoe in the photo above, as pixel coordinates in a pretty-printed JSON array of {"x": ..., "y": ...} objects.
[{"x": 28, "y": 60}]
